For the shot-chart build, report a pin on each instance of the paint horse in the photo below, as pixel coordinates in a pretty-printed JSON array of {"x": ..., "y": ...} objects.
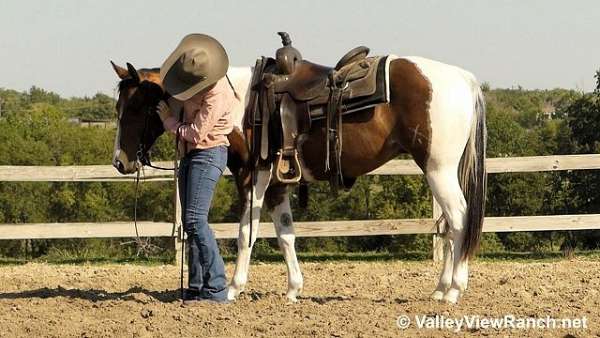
[{"x": 436, "y": 113}]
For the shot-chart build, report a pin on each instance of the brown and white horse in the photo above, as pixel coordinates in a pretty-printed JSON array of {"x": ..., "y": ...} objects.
[{"x": 436, "y": 113}]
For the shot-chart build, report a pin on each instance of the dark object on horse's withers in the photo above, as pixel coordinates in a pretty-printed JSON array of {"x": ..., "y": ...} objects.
[
  {"x": 288, "y": 93},
  {"x": 287, "y": 57}
]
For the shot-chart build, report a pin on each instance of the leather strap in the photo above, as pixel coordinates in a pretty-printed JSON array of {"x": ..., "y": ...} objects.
[
  {"x": 289, "y": 124},
  {"x": 264, "y": 130},
  {"x": 333, "y": 163}
]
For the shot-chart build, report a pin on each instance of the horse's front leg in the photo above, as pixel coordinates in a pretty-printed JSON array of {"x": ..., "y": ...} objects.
[
  {"x": 240, "y": 276},
  {"x": 278, "y": 202}
]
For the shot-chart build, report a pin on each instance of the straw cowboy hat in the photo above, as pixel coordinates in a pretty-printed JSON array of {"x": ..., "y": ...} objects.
[{"x": 198, "y": 62}]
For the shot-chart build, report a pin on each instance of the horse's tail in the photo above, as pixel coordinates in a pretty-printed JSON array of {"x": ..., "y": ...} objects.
[{"x": 472, "y": 175}]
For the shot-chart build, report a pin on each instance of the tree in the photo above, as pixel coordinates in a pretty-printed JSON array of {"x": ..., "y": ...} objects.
[{"x": 584, "y": 122}]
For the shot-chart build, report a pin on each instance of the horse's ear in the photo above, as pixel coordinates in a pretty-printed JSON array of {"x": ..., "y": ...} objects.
[
  {"x": 133, "y": 72},
  {"x": 122, "y": 73}
]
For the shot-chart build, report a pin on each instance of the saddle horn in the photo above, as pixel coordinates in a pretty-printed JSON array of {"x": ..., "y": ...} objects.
[{"x": 287, "y": 57}]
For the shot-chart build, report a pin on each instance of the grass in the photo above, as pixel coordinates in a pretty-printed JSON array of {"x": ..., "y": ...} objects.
[
  {"x": 545, "y": 256},
  {"x": 276, "y": 257},
  {"x": 99, "y": 260}
]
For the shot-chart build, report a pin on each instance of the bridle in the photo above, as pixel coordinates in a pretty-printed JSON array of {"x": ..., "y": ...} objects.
[{"x": 141, "y": 155}]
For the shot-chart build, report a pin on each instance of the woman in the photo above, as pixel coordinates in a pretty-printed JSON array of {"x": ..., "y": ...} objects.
[{"x": 194, "y": 75}]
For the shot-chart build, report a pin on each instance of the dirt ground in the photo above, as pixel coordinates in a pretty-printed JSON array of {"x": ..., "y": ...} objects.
[{"x": 340, "y": 299}]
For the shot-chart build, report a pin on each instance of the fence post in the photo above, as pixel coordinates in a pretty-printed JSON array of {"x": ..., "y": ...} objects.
[
  {"x": 177, "y": 223},
  {"x": 438, "y": 242}
]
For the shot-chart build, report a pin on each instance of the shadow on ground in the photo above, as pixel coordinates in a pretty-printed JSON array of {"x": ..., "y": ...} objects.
[{"x": 95, "y": 295}]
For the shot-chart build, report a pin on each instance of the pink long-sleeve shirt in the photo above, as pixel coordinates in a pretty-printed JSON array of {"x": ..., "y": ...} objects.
[{"x": 207, "y": 118}]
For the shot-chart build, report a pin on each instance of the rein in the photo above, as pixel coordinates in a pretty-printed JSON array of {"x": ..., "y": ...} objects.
[
  {"x": 142, "y": 245},
  {"x": 144, "y": 160}
]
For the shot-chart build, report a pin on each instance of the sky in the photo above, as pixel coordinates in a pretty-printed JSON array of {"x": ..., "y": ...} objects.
[{"x": 65, "y": 45}]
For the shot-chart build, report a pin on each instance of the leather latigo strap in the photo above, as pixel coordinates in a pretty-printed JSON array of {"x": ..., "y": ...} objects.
[
  {"x": 265, "y": 109},
  {"x": 334, "y": 130},
  {"x": 253, "y": 113}
]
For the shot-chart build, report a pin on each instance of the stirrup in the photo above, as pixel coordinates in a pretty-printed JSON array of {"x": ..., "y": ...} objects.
[{"x": 291, "y": 164}]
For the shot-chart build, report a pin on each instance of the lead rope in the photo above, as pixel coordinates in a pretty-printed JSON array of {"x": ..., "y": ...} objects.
[
  {"x": 135, "y": 206},
  {"x": 181, "y": 233},
  {"x": 145, "y": 161},
  {"x": 143, "y": 246},
  {"x": 252, "y": 185}
]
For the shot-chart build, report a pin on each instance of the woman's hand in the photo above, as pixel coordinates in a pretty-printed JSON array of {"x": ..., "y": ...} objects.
[{"x": 163, "y": 110}]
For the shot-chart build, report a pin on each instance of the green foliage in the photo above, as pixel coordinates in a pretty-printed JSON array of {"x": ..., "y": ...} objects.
[
  {"x": 490, "y": 243},
  {"x": 35, "y": 129},
  {"x": 98, "y": 107}
]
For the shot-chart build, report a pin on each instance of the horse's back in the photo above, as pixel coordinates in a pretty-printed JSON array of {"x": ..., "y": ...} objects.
[
  {"x": 439, "y": 69},
  {"x": 451, "y": 109},
  {"x": 240, "y": 78}
]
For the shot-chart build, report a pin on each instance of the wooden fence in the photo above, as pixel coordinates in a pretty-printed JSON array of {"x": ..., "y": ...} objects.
[{"x": 106, "y": 173}]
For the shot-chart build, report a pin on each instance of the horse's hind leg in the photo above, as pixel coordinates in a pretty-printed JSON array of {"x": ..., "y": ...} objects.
[
  {"x": 446, "y": 275},
  {"x": 446, "y": 189},
  {"x": 279, "y": 202},
  {"x": 242, "y": 265}
]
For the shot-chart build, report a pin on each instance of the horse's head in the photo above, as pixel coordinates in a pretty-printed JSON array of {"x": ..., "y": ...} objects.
[{"x": 138, "y": 125}]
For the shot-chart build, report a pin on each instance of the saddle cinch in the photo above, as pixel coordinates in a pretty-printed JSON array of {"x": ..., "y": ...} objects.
[{"x": 289, "y": 93}]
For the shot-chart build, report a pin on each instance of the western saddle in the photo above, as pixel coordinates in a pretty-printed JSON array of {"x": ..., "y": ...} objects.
[{"x": 289, "y": 93}]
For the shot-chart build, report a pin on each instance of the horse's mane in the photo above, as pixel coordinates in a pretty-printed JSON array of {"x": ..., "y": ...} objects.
[{"x": 129, "y": 81}]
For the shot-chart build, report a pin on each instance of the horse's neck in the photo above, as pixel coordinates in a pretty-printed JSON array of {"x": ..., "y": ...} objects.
[{"x": 240, "y": 78}]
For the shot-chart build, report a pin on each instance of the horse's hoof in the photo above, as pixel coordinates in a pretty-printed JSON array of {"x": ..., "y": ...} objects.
[
  {"x": 451, "y": 296},
  {"x": 292, "y": 296},
  {"x": 232, "y": 293},
  {"x": 437, "y": 295}
]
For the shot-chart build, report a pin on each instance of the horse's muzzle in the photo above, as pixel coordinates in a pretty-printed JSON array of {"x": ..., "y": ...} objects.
[
  {"x": 119, "y": 166},
  {"x": 122, "y": 163}
]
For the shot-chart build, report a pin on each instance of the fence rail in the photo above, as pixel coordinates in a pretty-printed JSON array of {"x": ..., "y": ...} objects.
[
  {"x": 106, "y": 173},
  {"x": 303, "y": 229}
]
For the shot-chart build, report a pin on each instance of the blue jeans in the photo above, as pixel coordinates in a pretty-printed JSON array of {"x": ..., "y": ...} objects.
[{"x": 198, "y": 175}]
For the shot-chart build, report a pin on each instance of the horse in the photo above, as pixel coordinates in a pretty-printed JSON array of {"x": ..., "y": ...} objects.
[{"x": 436, "y": 113}]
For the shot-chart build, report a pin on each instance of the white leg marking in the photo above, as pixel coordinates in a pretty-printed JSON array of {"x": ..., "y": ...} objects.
[
  {"x": 240, "y": 276},
  {"x": 282, "y": 219},
  {"x": 446, "y": 189},
  {"x": 446, "y": 275}
]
